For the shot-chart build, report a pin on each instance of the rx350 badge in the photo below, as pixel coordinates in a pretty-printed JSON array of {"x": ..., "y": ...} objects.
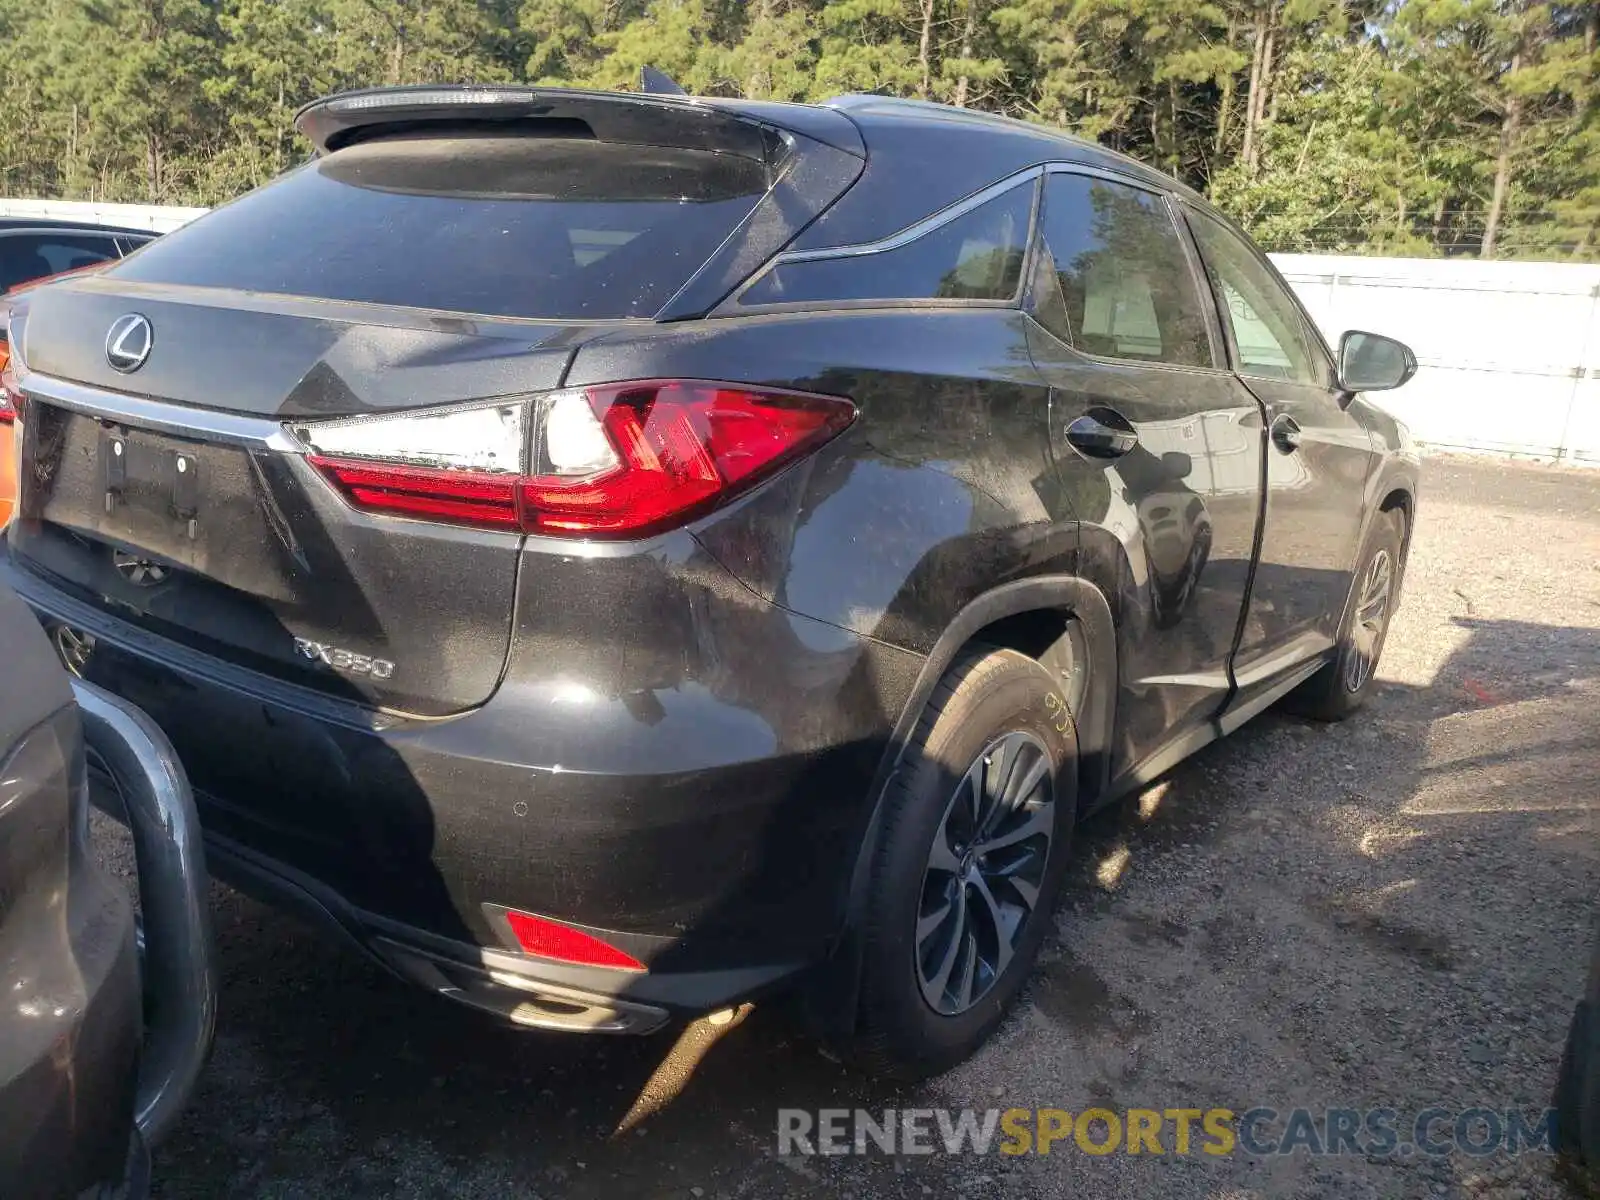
[{"x": 347, "y": 661}]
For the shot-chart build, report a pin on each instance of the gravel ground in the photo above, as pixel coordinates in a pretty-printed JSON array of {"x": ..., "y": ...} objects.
[{"x": 1388, "y": 913}]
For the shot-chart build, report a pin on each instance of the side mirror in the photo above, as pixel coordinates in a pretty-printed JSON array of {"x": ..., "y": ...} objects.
[{"x": 1370, "y": 362}]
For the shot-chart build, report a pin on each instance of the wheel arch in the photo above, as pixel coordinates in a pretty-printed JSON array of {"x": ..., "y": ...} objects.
[
  {"x": 1399, "y": 494},
  {"x": 1065, "y": 623},
  {"x": 1400, "y": 498}
]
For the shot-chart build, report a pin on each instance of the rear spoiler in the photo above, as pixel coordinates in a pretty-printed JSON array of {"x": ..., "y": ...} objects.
[{"x": 751, "y": 130}]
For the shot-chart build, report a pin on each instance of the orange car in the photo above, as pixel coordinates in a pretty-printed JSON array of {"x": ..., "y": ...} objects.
[
  {"x": 8, "y": 416},
  {"x": 9, "y": 395},
  {"x": 33, "y": 252}
]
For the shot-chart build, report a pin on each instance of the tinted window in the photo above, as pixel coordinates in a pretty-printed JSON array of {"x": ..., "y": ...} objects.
[
  {"x": 1115, "y": 280},
  {"x": 26, "y": 256},
  {"x": 1268, "y": 331},
  {"x": 509, "y": 226},
  {"x": 976, "y": 256}
]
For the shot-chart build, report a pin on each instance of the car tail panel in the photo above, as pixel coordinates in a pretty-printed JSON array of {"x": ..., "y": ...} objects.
[{"x": 242, "y": 551}]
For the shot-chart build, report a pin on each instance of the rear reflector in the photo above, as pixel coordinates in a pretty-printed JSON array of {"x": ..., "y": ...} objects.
[
  {"x": 551, "y": 939},
  {"x": 620, "y": 460}
]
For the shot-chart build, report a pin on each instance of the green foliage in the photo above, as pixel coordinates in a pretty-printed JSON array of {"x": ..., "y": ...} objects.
[{"x": 1383, "y": 126}]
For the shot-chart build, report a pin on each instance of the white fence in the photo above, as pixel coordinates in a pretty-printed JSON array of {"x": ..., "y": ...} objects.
[{"x": 1509, "y": 353}]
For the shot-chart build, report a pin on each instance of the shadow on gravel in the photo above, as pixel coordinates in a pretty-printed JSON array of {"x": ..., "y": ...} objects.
[
  {"x": 327, "y": 1068},
  {"x": 1436, "y": 852}
]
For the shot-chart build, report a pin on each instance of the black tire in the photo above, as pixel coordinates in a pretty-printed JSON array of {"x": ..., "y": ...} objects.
[
  {"x": 1333, "y": 694},
  {"x": 989, "y": 699},
  {"x": 1577, "y": 1095}
]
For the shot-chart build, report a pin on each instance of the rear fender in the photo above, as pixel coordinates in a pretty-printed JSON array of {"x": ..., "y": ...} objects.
[{"x": 832, "y": 1002}]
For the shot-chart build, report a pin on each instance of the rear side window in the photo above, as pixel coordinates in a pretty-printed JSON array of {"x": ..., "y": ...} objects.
[
  {"x": 504, "y": 226},
  {"x": 1114, "y": 280},
  {"x": 975, "y": 256},
  {"x": 28, "y": 256}
]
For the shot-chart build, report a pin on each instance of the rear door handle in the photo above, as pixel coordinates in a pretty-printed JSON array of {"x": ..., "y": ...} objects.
[
  {"x": 1102, "y": 434},
  {"x": 1286, "y": 433}
]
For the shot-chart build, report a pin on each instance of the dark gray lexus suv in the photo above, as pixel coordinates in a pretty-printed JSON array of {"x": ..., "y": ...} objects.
[{"x": 617, "y": 555}]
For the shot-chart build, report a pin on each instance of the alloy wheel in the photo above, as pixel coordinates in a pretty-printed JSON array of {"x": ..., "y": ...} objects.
[
  {"x": 1371, "y": 619},
  {"x": 985, "y": 872}
]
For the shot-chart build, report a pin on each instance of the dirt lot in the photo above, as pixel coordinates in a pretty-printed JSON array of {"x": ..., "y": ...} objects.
[{"x": 1390, "y": 913}]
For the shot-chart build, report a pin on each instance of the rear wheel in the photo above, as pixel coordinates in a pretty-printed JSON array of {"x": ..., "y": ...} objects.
[
  {"x": 977, "y": 826},
  {"x": 1577, "y": 1096},
  {"x": 1341, "y": 687}
]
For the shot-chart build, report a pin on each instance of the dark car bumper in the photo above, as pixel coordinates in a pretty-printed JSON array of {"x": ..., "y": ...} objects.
[
  {"x": 88, "y": 1076},
  {"x": 707, "y": 826},
  {"x": 65, "y": 1119}
]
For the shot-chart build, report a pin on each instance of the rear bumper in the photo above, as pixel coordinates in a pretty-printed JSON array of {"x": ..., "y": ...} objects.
[
  {"x": 538, "y": 994},
  {"x": 707, "y": 825}
]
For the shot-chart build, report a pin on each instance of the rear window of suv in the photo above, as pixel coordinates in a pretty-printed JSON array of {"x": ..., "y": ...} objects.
[{"x": 503, "y": 226}]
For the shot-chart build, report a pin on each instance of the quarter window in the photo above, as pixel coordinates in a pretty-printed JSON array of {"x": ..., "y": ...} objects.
[
  {"x": 976, "y": 256},
  {"x": 1270, "y": 335},
  {"x": 1113, "y": 278}
]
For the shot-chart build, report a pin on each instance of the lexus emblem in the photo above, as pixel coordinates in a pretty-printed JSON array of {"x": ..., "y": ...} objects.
[
  {"x": 128, "y": 343},
  {"x": 75, "y": 648},
  {"x": 140, "y": 572}
]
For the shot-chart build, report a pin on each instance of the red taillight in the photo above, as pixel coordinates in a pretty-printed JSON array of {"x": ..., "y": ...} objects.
[
  {"x": 551, "y": 939},
  {"x": 620, "y": 460}
]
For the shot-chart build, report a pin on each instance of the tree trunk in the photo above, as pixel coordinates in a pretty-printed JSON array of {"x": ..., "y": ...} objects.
[
  {"x": 1580, "y": 252},
  {"x": 925, "y": 49},
  {"x": 968, "y": 31},
  {"x": 1174, "y": 156},
  {"x": 1225, "y": 105},
  {"x": 1268, "y": 58},
  {"x": 397, "y": 58},
  {"x": 1437, "y": 232},
  {"x": 1305, "y": 149},
  {"x": 1252, "y": 96},
  {"x": 1502, "y": 167},
  {"x": 151, "y": 167}
]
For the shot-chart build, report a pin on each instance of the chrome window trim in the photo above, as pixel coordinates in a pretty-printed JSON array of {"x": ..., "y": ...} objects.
[
  {"x": 960, "y": 209},
  {"x": 912, "y": 232},
  {"x": 251, "y": 433},
  {"x": 735, "y": 304}
]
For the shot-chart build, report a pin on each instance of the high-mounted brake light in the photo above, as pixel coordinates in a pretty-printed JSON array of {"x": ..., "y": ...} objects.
[
  {"x": 619, "y": 460},
  {"x": 544, "y": 938}
]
